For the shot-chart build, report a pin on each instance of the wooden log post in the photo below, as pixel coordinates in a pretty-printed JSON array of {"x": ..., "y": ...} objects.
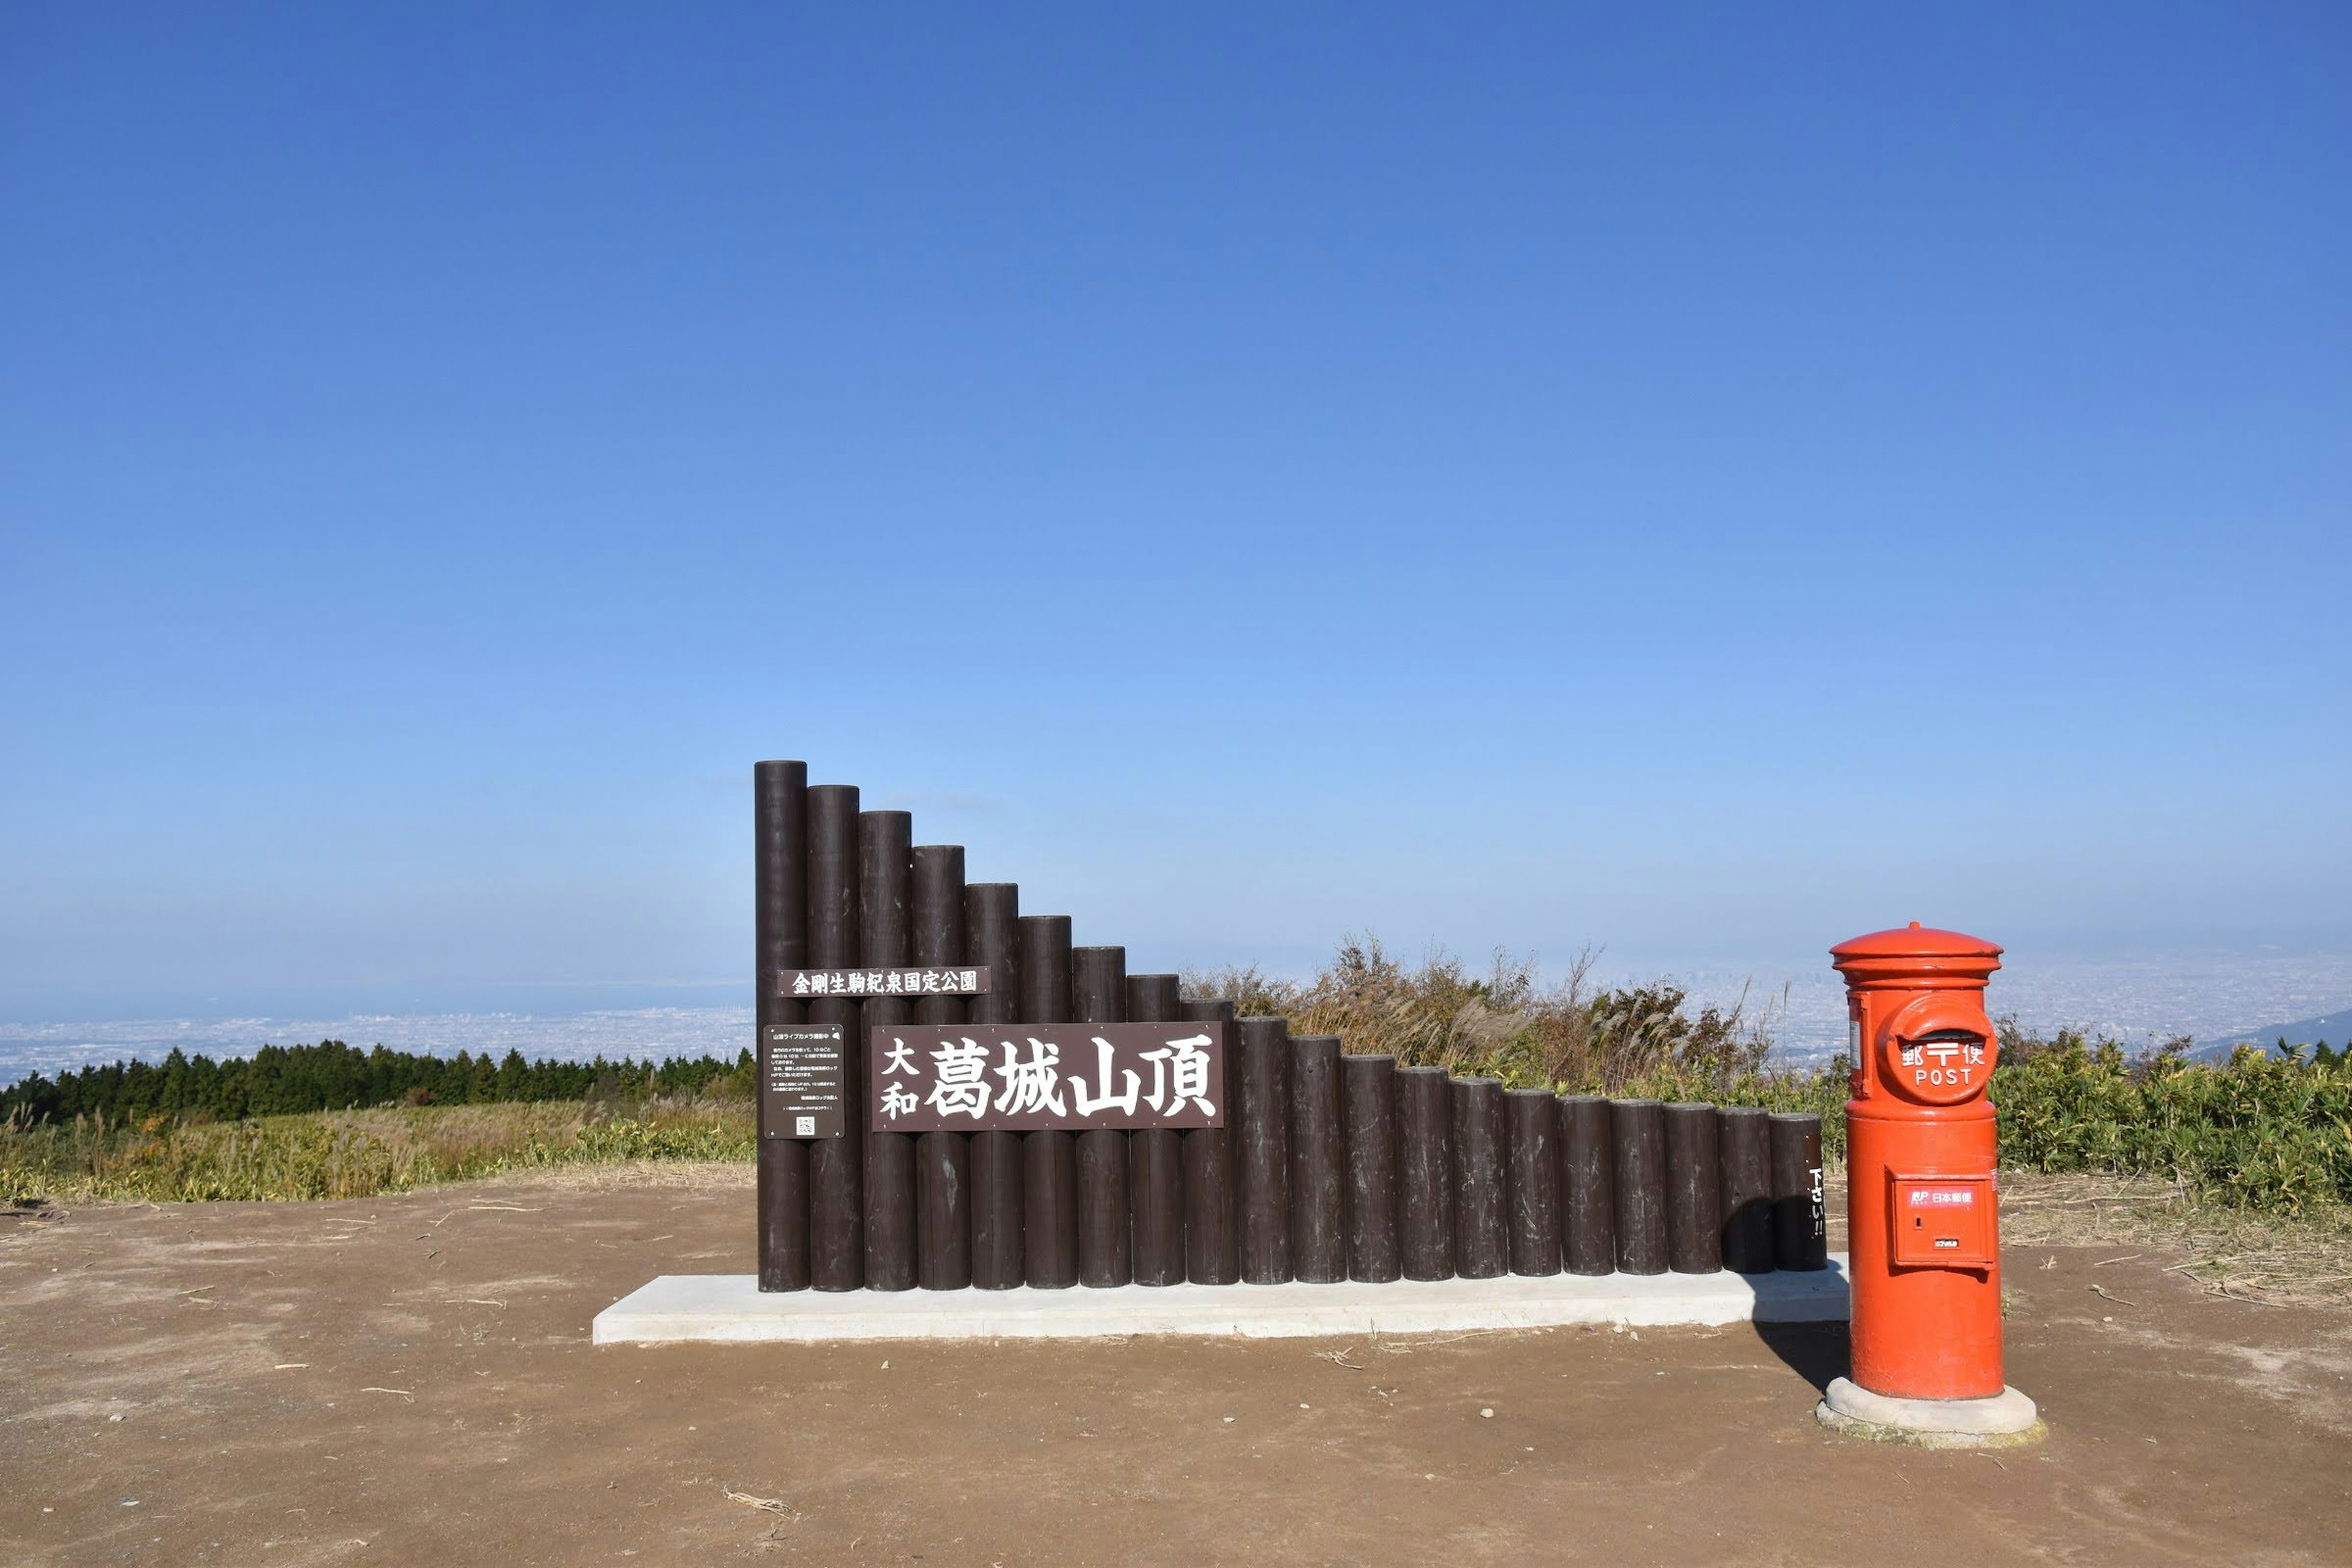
[
  {"x": 1156, "y": 1156},
  {"x": 1746, "y": 1131},
  {"x": 1049, "y": 1167},
  {"x": 836, "y": 1165},
  {"x": 780, "y": 940},
  {"x": 886, "y": 938},
  {"x": 1482, "y": 1210},
  {"x": 1368, "y": 1109},
  {"x": 942, "y": 1160},
  {"x": 1637, "y": 1129},
  {"x": 1264, "y": 1140},
  {"x": 1106, "y": 1243},
  {"x": 1800, "y": 1222},
  {"x": 1319, "y": 1203},
  {"x": 1424, "y": 1120},
  {"x": 1694, "y": 1190},
  {"x": 1588, "y": 1186},
  {"x": 1212, "y": 1236},
  {"x": 991, "y": 924},
  {"x": 1533, "y": 1119}
]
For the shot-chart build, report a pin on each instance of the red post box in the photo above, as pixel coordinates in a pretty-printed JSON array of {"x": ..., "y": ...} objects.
[{"x": 1924, "y": 1230}]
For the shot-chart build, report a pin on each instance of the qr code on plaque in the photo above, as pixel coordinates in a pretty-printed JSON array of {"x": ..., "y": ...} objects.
[{"x": 804, "y": 1126}]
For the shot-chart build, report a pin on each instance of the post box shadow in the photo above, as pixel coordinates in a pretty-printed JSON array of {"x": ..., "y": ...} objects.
[{"x": 1814, "y": 1352}]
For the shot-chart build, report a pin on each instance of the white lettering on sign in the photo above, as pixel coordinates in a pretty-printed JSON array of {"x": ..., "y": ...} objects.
[
  {"x": 1033, "y": 1085},
  {"x": 882, "y": 982},
  {"x": 1944, "y": 1076},
  {"x": 1089, "y": 1103},
  {"x": 1189, "y": 1065},
  {"x": 1943, "y": 1198},
  {"x": 960, "y": 1088}
]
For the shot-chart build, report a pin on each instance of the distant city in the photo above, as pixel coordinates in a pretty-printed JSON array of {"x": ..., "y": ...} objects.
[{"x": 2214, "y": 998}]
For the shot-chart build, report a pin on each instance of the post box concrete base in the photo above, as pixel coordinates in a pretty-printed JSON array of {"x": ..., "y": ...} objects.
[{"x": 2005, "y": 1420}]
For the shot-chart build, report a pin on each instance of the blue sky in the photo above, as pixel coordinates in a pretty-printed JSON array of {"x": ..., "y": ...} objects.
[{"x": 1700, "y": 481}]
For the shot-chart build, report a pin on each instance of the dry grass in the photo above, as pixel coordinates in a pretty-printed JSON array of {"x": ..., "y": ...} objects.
[
  {"x": 1502, "y": 1023},
  {"x": 2248, "y": 1255},
  {"x": 358, "y": 1154}
]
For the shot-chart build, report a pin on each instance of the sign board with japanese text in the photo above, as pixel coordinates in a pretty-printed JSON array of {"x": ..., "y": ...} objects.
[
  {"x": 957, "y": 982},
  {"x": 804, "y": 1091},
  {"x": 1025, "y": 1078}
]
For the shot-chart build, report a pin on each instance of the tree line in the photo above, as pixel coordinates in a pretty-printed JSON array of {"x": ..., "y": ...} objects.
[{"x": 280, "y": 1080}]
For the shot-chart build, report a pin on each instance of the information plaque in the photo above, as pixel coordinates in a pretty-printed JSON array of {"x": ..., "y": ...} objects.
[{"x": 804, "y": 1083}]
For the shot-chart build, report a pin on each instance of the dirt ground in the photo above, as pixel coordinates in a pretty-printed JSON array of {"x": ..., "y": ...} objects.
[{"x": 409, "y": 1380}]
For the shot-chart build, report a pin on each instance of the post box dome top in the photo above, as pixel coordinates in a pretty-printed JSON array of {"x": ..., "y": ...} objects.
[
  {"x": 1916, "y": 950},
  {"x": 1916, "y": 941}
]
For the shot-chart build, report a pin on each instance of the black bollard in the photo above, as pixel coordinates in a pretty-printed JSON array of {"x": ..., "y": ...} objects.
[
  {"x": 1745, "y": 1158},
  {"x": 942, "y": 1160},
  {"x": 1533, "y": 1116},
  {"x": 1587, "y": 1181},
  {"x": 1319, "y": 1204},
  {"x": 1155, "y": 1174},
  {"x": 1265, "y": 1150},
  {"x": 1368, "y": 1109},
  {"x": 1694, "y": 1190},
  {"x": 1424, "y": 1123},
  {"x": 1049, "y": 1167},
  {"x": 992, "y": 928},
  {"x": 1106, "y": 1250},
  {"x": 1213, "y": 1233},
  {"x": 836, "y": 1165},
  {"x": 1801, "y": 1235},
  {"x": 1482, "y": 1211},
  {"x": 1638, "y": 1129},
  {"x": 886, "y": 904},
  {"x": 779, "y": 926}
]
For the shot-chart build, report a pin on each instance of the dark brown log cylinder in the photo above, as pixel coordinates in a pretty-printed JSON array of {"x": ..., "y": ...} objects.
[
  {"x": 780, "y": 941},
  {"x": 886, "y": 903},
  {"x": 1049, "y": 1165},
  {"x": 1319, "y": 1204},
  {"x": 1482, "y": 1210},
  {"x": 942, "y": 1160},
  {"x": 1694, "y": 1190},
  {"x": 1800, "y": 1236},
  {"x": 1265, "y": 1146},
  {"x": 1638, "y": 1129},
  {"x": 1588, "y": 1174},
  {"x": 1156, "y": 1156},
  {"x": 1533, "y": 1117},
  {"x": 991, "y": 913},
  {"x": 1747, "y": 1164},
  {"x": 1213, "y": 1233},
  {"x": 836, "y": 1165},
  {"x": 1368, "y": 1109},
  {"x": 1106, "y": 1244},
  {"x": 1424, "y": 1119}
]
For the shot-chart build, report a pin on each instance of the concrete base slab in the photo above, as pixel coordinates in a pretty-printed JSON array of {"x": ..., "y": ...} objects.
[
  {"x": 678, "y": 1308},
  {"x": 2005, "y": 1420}
]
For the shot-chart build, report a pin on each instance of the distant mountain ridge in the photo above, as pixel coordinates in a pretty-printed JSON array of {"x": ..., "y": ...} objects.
[{"x": 2335, "y": 1028}]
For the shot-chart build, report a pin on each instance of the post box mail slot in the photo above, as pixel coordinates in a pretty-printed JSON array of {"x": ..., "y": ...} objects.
[{"x": 1941, "y": 1221}]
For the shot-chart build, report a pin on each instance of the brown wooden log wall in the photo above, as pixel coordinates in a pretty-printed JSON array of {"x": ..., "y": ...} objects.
[{"x": 1329, "y": 1166}]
